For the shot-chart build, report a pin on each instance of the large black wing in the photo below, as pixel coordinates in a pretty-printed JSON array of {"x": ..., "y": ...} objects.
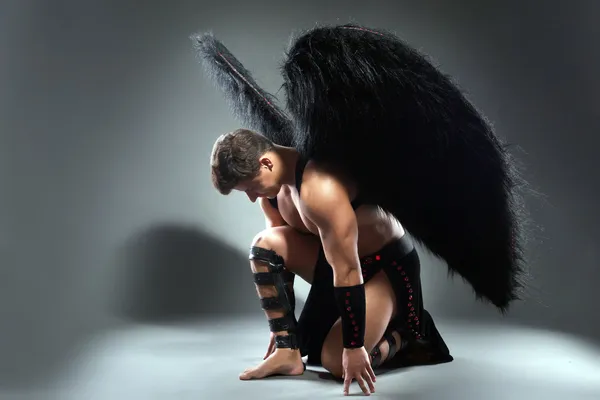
[
  {"x": 253, "y": 106},
  {"x": 416, "y": 146}
]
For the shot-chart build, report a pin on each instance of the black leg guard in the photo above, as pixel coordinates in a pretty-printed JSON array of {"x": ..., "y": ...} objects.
[
  {"x": 279, "y": 277},
  {"x": 288, "y": 279},
  {"x": 376, "y": 357},
  {"x": 393, "y": 347}
]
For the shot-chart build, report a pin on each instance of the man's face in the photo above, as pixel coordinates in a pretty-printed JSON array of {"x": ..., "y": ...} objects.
[{"x": 263, "y": 185}]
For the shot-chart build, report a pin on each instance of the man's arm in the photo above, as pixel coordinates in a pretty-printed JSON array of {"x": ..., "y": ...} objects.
[
  {"x": 272, "y": 216},
  {"x": 326, "y": 203}
]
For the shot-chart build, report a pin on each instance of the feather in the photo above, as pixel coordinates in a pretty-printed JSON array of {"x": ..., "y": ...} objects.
[{"x": 253, "y": 106}]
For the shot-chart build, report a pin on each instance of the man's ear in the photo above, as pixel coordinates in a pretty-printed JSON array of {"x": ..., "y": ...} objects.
[{"x": 266, "y": 163}]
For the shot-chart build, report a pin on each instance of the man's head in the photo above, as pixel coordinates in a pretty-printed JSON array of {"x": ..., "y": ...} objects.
[{"x": 245, "y": 160}]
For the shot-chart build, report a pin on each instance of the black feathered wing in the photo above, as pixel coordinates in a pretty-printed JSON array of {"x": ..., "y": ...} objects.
[
  {"x": 416, "y": 147},
  {"x": 252, "y": 105}
]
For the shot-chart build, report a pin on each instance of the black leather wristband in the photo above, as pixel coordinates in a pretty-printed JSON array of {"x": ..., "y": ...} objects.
[{"x": 352, "y": 305}]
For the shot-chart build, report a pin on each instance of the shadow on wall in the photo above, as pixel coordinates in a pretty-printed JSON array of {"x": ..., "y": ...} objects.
[{"x": 172, "y": 272}]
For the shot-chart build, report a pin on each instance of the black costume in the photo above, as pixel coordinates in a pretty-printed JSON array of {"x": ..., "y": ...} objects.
[{"x": 415, "y": 146}]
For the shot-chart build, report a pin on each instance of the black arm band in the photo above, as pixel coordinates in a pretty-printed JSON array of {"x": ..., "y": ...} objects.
[{"x": 352, "y": 305}]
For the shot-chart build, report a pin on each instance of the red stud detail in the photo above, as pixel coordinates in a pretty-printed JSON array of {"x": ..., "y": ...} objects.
[
  {"x": 410, "y": 290},
  {"x": 347, "y": 294},
  {"x": 406, "y": 278},
  {"x": 408, "y": 285},
  {"x": 402, "y": 273},
  {"x": 410, "y": 304},
  {"x": 351, "y": 315},
  {"x": 356, "y": 335},
  {"x": 410, "y": 297},
  {"x": 394, "y": 262},
  {"x": 378, "y": 257},
  {"x": 349, "y": 309},
  {"x": 356, "y": 328},
  {"x": 417, "y": 323},
  {"x": 416, "y": 318},
  {"x": 347, "y": 301},
  {"x": 398, "y": 268},
  {"x": 412, "y": 309},
  {"x": 353, "y": 322},
  {"x": 353, "y": 343}
]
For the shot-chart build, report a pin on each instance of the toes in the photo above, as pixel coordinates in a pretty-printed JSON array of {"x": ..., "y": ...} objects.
[
  {"x": 252, "y": 373},
  {"x": 246, "y": 375}
]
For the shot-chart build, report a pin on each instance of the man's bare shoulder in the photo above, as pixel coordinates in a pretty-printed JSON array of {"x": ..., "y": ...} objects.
[
  {"x": 325, "y": 197},
  {"x": 323, "y": 186}
]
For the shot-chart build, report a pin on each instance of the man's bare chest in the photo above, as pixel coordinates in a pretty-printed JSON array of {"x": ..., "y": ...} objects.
[{"x": 289, "y": 207}]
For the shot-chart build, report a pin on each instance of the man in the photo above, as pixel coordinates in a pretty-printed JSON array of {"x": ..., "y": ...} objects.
[{"x": 365, "y": 306}]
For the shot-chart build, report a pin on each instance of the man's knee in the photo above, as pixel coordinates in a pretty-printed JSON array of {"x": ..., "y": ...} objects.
[
  {"x": 271, "y": 238},
  {"x": 269, "y": 249},
  {"x": 331, "y": 360}
]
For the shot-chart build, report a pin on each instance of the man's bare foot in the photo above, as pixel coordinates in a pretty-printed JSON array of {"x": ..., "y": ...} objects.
[{"x": 281, "y": 362}]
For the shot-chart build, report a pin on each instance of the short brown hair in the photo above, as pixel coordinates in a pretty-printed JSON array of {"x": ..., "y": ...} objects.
[{"x": 235, "y": 158}]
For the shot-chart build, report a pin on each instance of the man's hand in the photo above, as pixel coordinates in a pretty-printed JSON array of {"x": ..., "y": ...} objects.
[{"x": 356, "y": 364}]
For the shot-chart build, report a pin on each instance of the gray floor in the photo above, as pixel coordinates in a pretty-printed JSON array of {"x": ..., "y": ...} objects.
[{"x": 202, "y": 361}]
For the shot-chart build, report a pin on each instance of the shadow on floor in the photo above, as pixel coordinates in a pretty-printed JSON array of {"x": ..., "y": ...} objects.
[{"x": 172, "y": 272}]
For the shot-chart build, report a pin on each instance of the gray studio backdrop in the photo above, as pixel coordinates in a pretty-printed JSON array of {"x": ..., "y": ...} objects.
[{"x": 107, "y": 215}]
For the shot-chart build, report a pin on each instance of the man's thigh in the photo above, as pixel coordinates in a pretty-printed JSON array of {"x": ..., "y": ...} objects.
[{"x": 299, "y": 251}]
